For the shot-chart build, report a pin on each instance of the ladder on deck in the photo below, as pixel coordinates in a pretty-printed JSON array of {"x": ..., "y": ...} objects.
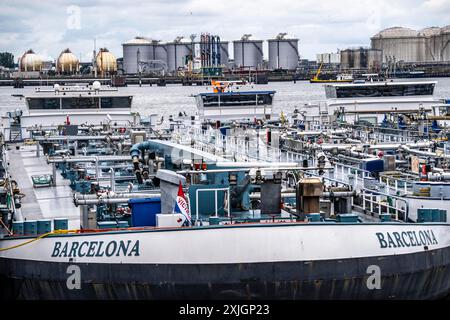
[
  {"x": 15, "y": 133},
  {"x": 15, "y": 127}
]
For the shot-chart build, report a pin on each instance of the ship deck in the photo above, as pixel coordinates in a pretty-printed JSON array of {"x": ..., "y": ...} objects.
[{"x": 46, "y": 202}]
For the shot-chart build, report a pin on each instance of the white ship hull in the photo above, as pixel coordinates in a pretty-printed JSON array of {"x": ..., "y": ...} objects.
[{"x": 241, "y": 260}]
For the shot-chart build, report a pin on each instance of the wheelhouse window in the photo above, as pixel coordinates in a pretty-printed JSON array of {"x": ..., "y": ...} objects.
[
  {"x": 237, "y": 100},
  {"x": 80, "y": 103},
  {"x": 398, "y": 90},
  {"x": 227, "y": 100},
  {"x": 43, "y": 104},
  {"x": 210, "y": 101},
  {"x": 116, "y": 102}
]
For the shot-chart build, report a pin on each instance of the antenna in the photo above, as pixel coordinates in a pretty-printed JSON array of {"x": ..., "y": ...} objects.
[{"x": 94, "y": 58}]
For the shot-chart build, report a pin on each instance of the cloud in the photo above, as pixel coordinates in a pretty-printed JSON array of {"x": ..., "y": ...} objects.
[{"x": 321, "y": 26}]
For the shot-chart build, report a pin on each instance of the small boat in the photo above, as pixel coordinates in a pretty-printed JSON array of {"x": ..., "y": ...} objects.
[
  {"x": 340, "y": 78},
  {"x": 370, "y": 101},
  {"x": 72, "y": 105},
  {"x": 234, "y": 100}
]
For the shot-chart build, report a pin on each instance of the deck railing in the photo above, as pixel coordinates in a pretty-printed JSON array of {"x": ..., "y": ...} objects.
[
  {"x": 253, "y": 148},
  {"x": 216, "y": 209}
]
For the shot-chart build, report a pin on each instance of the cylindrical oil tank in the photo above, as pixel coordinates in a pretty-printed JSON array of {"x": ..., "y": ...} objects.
[
  {"x": 248, "y": 53},
  {"x": 374, "y": 59},
  {"x": 430, "y": 35},
  {"x": 283, "y": 54},
  {"x": 30, "y": 61},
  {"x": 357, "y": 55},
  {"x": 67, "y": 63},
  {"x": 359, "y": 58},
  {"x": 399, "y": 44},
  {"x": 224, "y": 53},
  {"x": 346, "y": 56},
  {"x": 176, "y": 54},
  {"x": 432, "y": 47},
  {"x": 139, "y": 47},
  {"x": 376, "y": 43},
  {"x": 106, "y": 62},
  {"x": 421, "y": 48},
  {"x": 160, "y": 54},
  {"x": 445, "y": 44}
]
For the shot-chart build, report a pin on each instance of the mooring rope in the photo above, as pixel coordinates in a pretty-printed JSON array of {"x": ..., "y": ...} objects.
[{"x": 38, "y": 238}]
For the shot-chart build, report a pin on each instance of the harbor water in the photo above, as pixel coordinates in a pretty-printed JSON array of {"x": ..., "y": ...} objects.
[{"x": 172, "y": 99}]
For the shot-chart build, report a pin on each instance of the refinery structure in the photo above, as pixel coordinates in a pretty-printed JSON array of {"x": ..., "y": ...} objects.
[
  {"x": 204, "y": 54},
  {"x": 393, "y": 52},
  {"x": 208, "y": 51},
  {"x": 403, "y": 44},
  {"x": 395, "y": 44}
]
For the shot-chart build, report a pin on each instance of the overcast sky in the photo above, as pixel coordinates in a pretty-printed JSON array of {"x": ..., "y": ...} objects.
[{"x": 48, "y": 27}]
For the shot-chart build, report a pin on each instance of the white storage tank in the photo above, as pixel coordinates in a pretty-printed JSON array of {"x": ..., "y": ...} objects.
[
  {"x": 160, "y": 54},
  {"x": 248, "y": 52},
  {"x": 130, "y": 53},
  {"x": 177, "y": 51},
  {"x": 444, "y": 48},
  {"x": 283, "y": 53},
  {"x": 399, "y": 44},
  {"x": 436, "y": 43},
  {"x": 431, "y": 39},
  {"x": 224, "y": 54}
]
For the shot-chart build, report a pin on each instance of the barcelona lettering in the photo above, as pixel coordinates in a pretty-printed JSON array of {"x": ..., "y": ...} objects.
[
  {"x": 406, "y": 239},
  {"x": 96, "y": 249}
]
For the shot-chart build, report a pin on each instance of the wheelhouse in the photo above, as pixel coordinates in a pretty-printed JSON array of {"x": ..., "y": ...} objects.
[
  {"x": 235, "y": 99},
  {"x": 385, "y": 89},
  {"x": 77, "y": 98}
]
